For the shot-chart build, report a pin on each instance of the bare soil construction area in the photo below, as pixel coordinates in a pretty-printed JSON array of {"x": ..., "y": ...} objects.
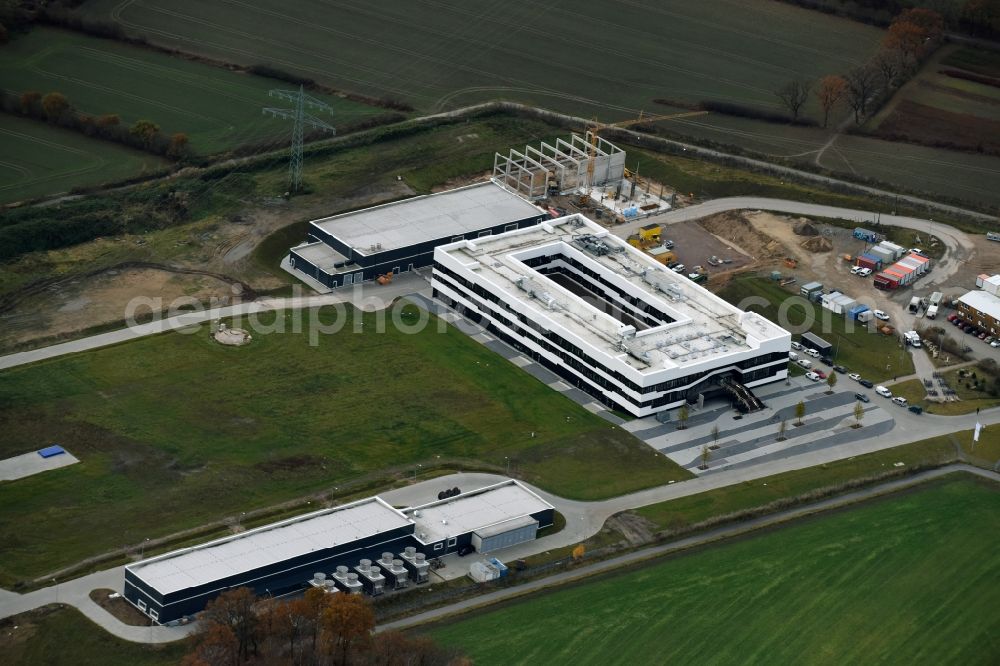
[{"x": 206, "y": 263}]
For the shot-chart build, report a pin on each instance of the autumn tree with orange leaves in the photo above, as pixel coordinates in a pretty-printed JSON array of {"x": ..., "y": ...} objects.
[
  {"x": 829, "y": 92},
  {"x": 316, "y": 629}
]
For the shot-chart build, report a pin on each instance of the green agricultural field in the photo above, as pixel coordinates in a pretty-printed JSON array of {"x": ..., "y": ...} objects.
[
  {"x": 64, "y": 637},
  {"x": 939, "y": 107},
  {"x": 594, "y": 59},
  {"x": 217, "y": 108},
  {"x": 36, "y": 160},
  {"x": 875, "y": 356},
  {"x": 175, "y": 431},
  {"x": 905, "y": 579}
]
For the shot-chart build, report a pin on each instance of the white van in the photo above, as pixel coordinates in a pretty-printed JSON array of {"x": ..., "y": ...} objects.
[
  {"x": 792, "y": 356},
  {"x": 813, "y": 353},
  {"x": 883, "y": 391},
  {"x": 805, "y": 363},
  {"x": 797, "y": 346}
]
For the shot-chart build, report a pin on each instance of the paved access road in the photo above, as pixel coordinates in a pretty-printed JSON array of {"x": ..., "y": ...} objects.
[{"x": 959, "y": 246}]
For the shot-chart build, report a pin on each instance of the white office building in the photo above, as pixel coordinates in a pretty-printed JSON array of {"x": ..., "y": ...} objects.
[{"x": 608, "y": 318}]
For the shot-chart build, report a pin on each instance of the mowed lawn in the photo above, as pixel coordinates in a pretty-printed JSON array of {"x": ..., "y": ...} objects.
[
  {"x": 906, "y": 579},
  {"x": 37, "y": 159},
  {"x": 64, "y": 637},
  {"x": 875, "y": 356},
  {"x": 218, "y": 109},
  {"x": 175, "y": 431}
]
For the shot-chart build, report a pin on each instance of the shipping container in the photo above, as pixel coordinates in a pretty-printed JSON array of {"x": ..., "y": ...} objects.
[
  {"x": 991, "y": 285},
  {"x": 980, "y": 279},
  {"x": 883, "y": 281},
  {"x": 931, "y": 312},
  {"x": 869, "y": 261},
  {"x": 810, "y": 288},
  {"x": 896, "y": 250}
]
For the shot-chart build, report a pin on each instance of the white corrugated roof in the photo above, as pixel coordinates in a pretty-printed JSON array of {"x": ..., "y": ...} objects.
[
  {"x": 421, "y": 219},
  {"x": 984, "y": 302},
  {"x": 267, "y": 545},
  {"x": 476, "y": 510}
]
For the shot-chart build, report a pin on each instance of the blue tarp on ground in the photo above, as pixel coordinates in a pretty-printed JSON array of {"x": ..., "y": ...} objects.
[{"x": 50, "y": 451}]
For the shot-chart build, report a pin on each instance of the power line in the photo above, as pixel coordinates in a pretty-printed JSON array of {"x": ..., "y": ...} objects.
[{"x": 299, "y": 119}]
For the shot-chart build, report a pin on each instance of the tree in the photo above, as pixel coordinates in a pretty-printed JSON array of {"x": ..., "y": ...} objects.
[
  {"x": 715, "y": 436},
  {"x": 682, "y": 416},
  {"x": 178, "y": 145},
  {"x": 30, "y": 101},
  {"x": 831, "y": 381},
  {"x": 782, "y": 427},
  {"x": 800, "y": 411},
  {"x": 859, "y": 413},
  {"x": 145, "y": 130},
  {"x": 914, "y": 32},
  {"x": 235, "y": 610},
  {"x": 980, "y": 14},
  {"x": 794, "y": 95},
  {"x": 215, "y": 645},
  {"x": 706, "y": 455},
  {"x": 348, "y": 621},
  {"x": 830, "y": 91},
  {"x": 55, "y": 105},
  {"x": 860, "y": 88},
  {"x": 889, "y": 66},
  {"x": 108, "y": 120}
]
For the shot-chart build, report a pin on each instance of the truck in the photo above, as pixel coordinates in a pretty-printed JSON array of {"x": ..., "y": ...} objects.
[
  {"x": 931, "y": 312},
  {"x": 914, "y": 304},
  {"x": 912, "y": 338}
]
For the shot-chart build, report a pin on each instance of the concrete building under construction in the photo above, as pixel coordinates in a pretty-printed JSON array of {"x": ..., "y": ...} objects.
[{"x": 560, "y": 168}]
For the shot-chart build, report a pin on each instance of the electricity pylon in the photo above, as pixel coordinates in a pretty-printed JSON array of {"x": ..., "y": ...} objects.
[{"x": 299, "y": 119}]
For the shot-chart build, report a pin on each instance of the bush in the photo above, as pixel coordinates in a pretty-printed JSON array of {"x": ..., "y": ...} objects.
[{"x": 743, "y": 111}]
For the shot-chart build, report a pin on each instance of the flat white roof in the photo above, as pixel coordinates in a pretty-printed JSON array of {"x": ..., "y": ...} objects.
[
  {"x": 320, "y": 255},
  {"x": 702, "y": 327},
  {"x": 474, "y": 511},
  {"x": 425, "y": 218},
  {"x": 270, "y": 544},
  {"x": 983, "y": 301}
]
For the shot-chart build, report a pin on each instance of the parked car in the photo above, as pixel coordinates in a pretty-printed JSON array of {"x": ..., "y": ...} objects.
[
  {"x": 679, "y": 268},
  {"x": 827, "y": 361},
  {"x": 881, "y": 315},
  {"x": 916, "y": 409},
  {"x": 697, "y": 277},
  {"x": 465, "y": 550},
  {"x": 995, "y": 343},
  {"x": 797, "y": 346},
  {"x": 669, "y": 244},
  {"x": 855, "y": 376},
  {"x": 805, "y": 363},
  {"x": 792, "y": 356},
  {"x": 883, "y": 391},
  {"x": 982, "y": 335},
  {"x": 840, "y": 369},
  {"x": 812, "y": 352},
  {"x": 862, "y": 397},
  {"x": 812, "y": 376},
  {"x": 899, "y": 400},
  {"x": 989, "y": 339},
  {"x": 865, "y": 383},
  {"x": 952, "y": 317},
  {"x": 865, "y": 272},
  {"x": 671, "y": 264},
  {"x": 855, "y": 270},
  {"x": 820, "y": 374}
]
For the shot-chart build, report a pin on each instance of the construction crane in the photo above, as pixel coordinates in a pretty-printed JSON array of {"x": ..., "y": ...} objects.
[{"x": 596, "y": 127}]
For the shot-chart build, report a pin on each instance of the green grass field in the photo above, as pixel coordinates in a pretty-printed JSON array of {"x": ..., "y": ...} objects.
[
  {"x": 904, "y": 579},
  {"x": 875, "y": 356},
  {"x": 62, "y": 636},
  {"x": 176, "y": 431},
  {"x": 37, "y": 160},
  {"x": 217, "y": 108}
]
